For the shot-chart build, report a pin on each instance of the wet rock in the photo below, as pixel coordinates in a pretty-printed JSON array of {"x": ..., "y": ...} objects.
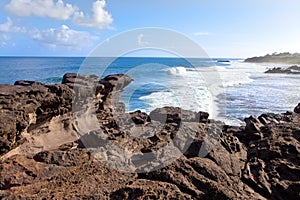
[
  {"x": 297, "y": 109},
  {"x": 289, "y": 70}
]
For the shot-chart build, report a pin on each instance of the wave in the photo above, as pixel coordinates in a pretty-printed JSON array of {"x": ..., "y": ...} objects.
[
  {"x": 177, "y": 71},
  {"x": 195, "y": 99},
  {"x": 239, "y": 81},
  {"x": 185, "y": 87},
  {"x": 189, "y": 90},
  {"x": 52, "y": 80},
  {"x": 234, "y": 75}
]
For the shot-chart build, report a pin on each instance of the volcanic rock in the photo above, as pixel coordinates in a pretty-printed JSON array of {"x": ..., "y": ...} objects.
[
  {"x": 297, "y": 109},
  {"x": 75, "y": 141}
]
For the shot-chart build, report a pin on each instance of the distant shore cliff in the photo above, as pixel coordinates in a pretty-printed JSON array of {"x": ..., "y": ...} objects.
[
  {"x": 47, "y": 153},
  {"x": 283, "y": 58}
]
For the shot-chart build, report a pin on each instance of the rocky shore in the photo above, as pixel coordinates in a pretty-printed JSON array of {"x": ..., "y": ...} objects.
[
  {"x": 289, "y": 70},
  {"x": 54, "y": 146}
]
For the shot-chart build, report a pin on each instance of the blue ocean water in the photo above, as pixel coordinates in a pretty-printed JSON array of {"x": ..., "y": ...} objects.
[
  {"x": 245, "y": 89},
  {"x": 43, "y": 69}
]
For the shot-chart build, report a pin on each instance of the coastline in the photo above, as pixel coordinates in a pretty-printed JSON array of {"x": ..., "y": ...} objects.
[
  {"x": 255, "y": 161},
  {"x": 238, "y": 80},
  {"x": 286, "y": 58}
]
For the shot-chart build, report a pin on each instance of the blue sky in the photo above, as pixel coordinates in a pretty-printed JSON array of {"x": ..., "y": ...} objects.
[{"x": 227, "y": 28}]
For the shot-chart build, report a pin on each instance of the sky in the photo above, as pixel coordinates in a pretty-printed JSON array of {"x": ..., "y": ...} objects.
[{"x": 223, "y": 28}]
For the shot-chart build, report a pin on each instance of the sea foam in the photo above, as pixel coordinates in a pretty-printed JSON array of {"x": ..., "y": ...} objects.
[{"x": 178, "y": 71}]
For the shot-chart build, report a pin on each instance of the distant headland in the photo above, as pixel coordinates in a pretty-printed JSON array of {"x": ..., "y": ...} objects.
[{"x": 283, "y": 58}]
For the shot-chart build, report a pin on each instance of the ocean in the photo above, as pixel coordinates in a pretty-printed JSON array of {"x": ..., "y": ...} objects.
[{"x": 229, "y": 91}]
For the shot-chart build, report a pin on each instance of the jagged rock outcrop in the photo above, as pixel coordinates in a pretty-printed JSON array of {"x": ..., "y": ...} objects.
[
  {"x": 289, "y": 70},
  {"x": 28, "y": 104},
  {"x": 75, "y": 141}
]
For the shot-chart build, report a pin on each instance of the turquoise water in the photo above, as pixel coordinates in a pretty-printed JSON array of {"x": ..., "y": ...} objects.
[{"x": 158, "y": 82}]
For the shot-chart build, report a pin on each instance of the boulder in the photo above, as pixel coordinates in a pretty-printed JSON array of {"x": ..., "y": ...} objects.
[
  {"x": 253, "y": 124},
  {"x": 297, "y": 109}
]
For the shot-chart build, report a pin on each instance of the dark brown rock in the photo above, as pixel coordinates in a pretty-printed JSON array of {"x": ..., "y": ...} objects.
[
  {"x": 29, "y": 103},
  {"x": 113, "y": 85},
  {"x": 176, "y": 115},
  {"x": 290, "y": 70},
  {"x": 139, "y": 117},
  {"x": 297, "y": 109},
  {"x": 211, "y": 160}
]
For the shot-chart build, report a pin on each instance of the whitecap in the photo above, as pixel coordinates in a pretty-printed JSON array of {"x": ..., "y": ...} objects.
[{"x": 177, "y": 71}]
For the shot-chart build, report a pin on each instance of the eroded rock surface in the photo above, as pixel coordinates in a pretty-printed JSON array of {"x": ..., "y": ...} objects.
[{"x": 75, "y": 141}]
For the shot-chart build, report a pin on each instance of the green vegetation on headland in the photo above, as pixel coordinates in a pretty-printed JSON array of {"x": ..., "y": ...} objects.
[{"x": 284, "y": 58}]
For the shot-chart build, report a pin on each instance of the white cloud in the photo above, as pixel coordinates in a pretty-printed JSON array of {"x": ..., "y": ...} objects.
[
  {"x": 59, "y": 10},
  {"x": 64, "y": 37},
  {"x": 6, "y": 29},
  {"x": 100, "y": 19},
  {"x": 41, "y": 8},
  {"x": 201, "y": 33},
  {"x": 140, "y": 40}
]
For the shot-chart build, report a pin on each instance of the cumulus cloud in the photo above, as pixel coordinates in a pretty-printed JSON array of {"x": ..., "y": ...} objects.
[
  {"x": 64, "y": 37},
  {"x": 59, "y": 10},
  {"x": 6, "y": 29},
  {"x": 100, "y": 19},
  {"x": 41, "y": 8}
]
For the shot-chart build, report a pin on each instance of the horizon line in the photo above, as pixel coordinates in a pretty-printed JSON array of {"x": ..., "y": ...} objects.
[{"x": 45, "y": 56}]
